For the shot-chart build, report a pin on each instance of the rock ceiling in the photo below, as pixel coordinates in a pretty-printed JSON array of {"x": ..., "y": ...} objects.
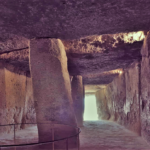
[
  {"x": 93, "y": 57},
  {"x": 72, "y": 19},
  {"x": 78, "y": 24}
]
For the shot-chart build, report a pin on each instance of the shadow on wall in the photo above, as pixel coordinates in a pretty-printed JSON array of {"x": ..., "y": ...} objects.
[{"x": 90, "y": 111}]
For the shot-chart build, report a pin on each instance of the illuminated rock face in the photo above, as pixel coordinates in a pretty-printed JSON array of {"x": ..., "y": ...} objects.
[
  {"x": 51, "y": 86},
  {"x": 145, "y": 89},
  {"x": 122, "y": 100},
  {"x": 16, "y": 102},
  {"x": 78, "y": 98}
]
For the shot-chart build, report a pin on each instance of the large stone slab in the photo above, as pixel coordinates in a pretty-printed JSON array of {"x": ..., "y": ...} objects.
[
  {"x": 123, "y": 96},
  {"x": 16, "y": 98},
  {"x": 72, "y": 19},
  {"x": 145, "y": 89},
  {"x": 132, "y": 107},
  {"x": 116, "y": 98},
  {"x": 15, "y": 88},
  {"x": 3, "y": 119},
  {"x": 51, "y": 86}
]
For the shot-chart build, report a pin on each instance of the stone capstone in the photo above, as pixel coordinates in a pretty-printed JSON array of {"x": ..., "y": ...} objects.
[{"x": 65, "y": 19}]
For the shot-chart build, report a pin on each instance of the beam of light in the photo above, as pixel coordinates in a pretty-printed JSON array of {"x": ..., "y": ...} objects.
[{"x": 90, "y": 112}]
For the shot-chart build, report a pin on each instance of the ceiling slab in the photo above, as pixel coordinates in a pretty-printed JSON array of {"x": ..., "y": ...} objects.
[{"x": 72, "y": 19}]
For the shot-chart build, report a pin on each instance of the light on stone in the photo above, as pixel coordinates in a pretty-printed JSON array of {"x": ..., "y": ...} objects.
[{"x": 120, "y": 72}]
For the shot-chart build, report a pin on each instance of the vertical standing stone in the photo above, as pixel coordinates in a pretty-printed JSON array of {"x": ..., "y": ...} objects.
[
  {"x": 102, "y": 106},
  {"x": 29, "y": 115},
  {"x": 132, "y": 106},
  {"x": 51, "y": 85},
  {"x": 15, "y": 88},
  {"x": 145, "y": 89},
  {"x": 78, "y": 98},
  {"x": 2, "y": 99}
]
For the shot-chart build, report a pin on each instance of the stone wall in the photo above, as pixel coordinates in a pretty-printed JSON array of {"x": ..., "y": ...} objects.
[
  {"x": 128, "y": 96},
  {"x": 2, "y": 97},
  {"x": 16, "y": 98},
  {"x": 132, "y": 107},
  {"x": 145, "y": 89},
  {"x": 101, "y": 103},
  {"x": 116, "y": 97},
  {"x": 122, "y": 97}
]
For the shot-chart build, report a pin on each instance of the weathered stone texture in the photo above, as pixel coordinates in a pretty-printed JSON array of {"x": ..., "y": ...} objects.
[
  {"x": 78, "y": 98},
  {"x": 145, "y": 89},
  {"x": 3, "y": 119},
  {"x": 19, "y": 56},
  {"x": 12, "y": 43},
  {"x": 123, "y": 98},
  {"x": 116, "y": 96},
  {"x": 132, "y": 106},
  {"x": 15, "y": 87},
  {"x": 92, "y": 57},
  {"x": 51, "y": 86},
  {"x": 17, "y": 104},
  {"x": 102, "y": 107},
  {"x": 29, "y": 114},
  {"x": 72, "y": 19}
]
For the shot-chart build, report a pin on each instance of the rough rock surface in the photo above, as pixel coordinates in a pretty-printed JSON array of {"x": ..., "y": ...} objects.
[
  {"x": 95, "y": 63},
  {"x": 13, "y": 43},
  {"x": 145, "y": 89},
  {"x": 102, "y": 107},
  {"x": 104, "y": 43},
  {"x": 90, "y": 57},
  {"x": 123, "y": 98},
  {"x": 17, "y": 104},
  {"x": 100, "y": 78},
  {"x": 29, "y": 114},
  {"x": 116, "y": 97},
  {"x": 65, "y": 19},
  {"x": 78, "y": 98},
  {"x": 51, "y": 86},
  {"x": 132, "y": 107},
  {"x": 3, "y": 119}
]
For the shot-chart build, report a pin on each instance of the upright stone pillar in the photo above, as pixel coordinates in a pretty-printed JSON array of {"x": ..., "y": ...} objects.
[
  {"x": 3, "y": 119},
  {"x": 78, "y": 98},
  {"x": 145, "y": 89},
  {"x": 51, "y": 86},
  {"x": 102, "y": 106}
]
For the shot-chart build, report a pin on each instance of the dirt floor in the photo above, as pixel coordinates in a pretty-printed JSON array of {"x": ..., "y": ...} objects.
[
  {"x": 95, "y": 135},
  {"x": 106, "y": 135}
]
